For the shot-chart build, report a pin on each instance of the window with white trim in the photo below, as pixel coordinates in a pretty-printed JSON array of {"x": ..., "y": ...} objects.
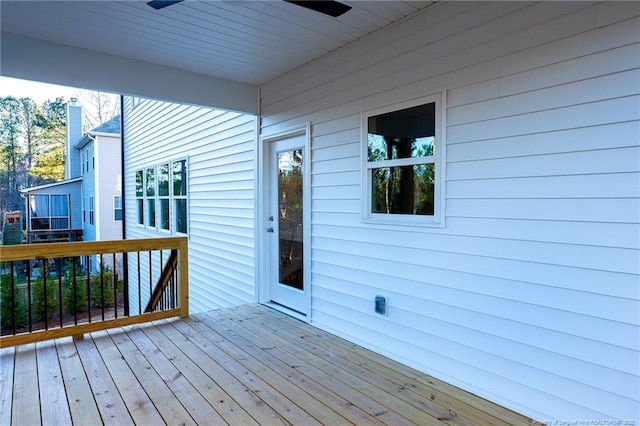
[
  {"x": 179, "y": 194},
  {"x": 403, "y": 160},
  {"x": 161, "y": 196},
  {"x": 117, "y": 208},
  {"x": 91, "y": 211}
]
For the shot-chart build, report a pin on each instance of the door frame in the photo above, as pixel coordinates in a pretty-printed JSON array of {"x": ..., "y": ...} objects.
[{"x": 263, "y": 264}]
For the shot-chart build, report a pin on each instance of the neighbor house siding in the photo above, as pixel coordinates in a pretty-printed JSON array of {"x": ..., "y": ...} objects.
[
  {"x": 89, "y": 190},
  {"x": 108, "y": 180},
  {"x": 529, "y": 294},
  {"x": 219, "y": 148}
]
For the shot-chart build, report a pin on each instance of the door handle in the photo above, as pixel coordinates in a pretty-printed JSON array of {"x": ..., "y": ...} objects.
[{"x": 270, "y": 229}]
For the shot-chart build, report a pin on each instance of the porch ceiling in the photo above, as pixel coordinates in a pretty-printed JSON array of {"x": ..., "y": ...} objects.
[{"x": 250, "y": 42}]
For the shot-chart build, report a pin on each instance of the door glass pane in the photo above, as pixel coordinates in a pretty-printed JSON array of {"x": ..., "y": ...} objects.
[{"x": 290, "y": 218}]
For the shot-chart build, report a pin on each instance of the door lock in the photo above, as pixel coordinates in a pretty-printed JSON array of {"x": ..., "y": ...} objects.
[{"x": 270, "y": 229}]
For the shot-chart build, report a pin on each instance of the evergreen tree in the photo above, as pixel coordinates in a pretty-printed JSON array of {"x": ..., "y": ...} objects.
[
  {"x": 11, "y": 155},
  {"x": 32, "y": 146},
  {"x": 52, "y": 131}
]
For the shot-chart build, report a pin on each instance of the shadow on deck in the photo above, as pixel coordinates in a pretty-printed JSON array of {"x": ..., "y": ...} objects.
[{"x": 243, "y": 366}]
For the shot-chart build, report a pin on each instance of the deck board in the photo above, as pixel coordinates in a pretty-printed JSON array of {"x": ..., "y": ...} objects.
[
  {"x": 140, "y": 407},
  {"x": 417, "y": 389},
  {"x": 243, "y": 366},
  {"x": 331, "y": 392},
  {"x": 478, "y": 410},
  {"x": 336, "y": 363},
  {"x": 54, "y": 404},
  {"x": 84, "y": 407},
  {"x": 7, "y": 357},
  {"x": 25, "y": 409}
]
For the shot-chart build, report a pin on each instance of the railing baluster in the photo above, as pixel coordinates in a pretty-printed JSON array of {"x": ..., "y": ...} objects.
[
  {"x": 139, "y": 286},
  {"x": 150, "y": 273},
  {"x": 125, "y": 282},
  {"x": 59, "y": 261},
  {"x": 160, "y": 304},
  {"x": 174, "y": 287},
  {"x": 88, "y": 288},
  {"x": 102, "y": 301},
  {"x": 29, "y": 297},
  {"x": 75, "y": 290},
  {"x": 114, "y": 279},
  {"x": 13, "y": 299},
  {"x": 43, "y": 274}
]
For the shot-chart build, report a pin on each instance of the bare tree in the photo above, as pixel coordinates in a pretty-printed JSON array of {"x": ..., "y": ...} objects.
[{"x": 98, "y": 107}]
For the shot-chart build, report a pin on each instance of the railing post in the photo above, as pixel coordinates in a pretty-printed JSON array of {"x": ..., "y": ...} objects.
[{"x": 183, "y": 277}]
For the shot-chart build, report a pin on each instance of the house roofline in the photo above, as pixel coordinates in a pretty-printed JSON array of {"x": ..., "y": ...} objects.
[
  {"x": 89, "y": 136},
  {"x": 84, "y": 140},
  {"x": 50, "y": 185}
]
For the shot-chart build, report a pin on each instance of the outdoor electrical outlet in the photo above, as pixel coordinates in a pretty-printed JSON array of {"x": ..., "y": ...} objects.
[{"x": 381, "y": 305}]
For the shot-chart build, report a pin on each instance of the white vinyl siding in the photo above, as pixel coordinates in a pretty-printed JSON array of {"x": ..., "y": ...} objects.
[
  {"x": 89, "y": 180},
  {"x": 529, "y": 295},
  {"x": 220, "y": 194},
  {"x": 108, "y": 178}
]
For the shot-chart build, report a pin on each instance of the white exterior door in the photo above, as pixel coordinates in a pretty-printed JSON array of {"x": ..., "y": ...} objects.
[{"x": 286, "y": 230}]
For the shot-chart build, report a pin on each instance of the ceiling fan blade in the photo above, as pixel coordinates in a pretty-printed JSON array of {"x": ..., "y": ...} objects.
[
  {"x": 161, "y": 4},
  {"x": 331, "y": 8}
]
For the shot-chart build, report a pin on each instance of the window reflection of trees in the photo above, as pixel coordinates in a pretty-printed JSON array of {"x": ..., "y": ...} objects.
[
  {"x": 290, "y": 206},
  {"x": 402, "y": 189}
]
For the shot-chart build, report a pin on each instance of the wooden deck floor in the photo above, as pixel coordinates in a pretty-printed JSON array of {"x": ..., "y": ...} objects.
[{"x": 243, "y": 366}]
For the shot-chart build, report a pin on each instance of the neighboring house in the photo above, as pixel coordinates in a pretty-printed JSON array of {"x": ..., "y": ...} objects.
[
  {"x": 466, "y": 192},
  {"x": 100, "y": 155},
  {"x": 87, "y": 205}
]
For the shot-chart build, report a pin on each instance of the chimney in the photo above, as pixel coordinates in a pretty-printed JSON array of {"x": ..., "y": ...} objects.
[{"x": 74, "y": 133}]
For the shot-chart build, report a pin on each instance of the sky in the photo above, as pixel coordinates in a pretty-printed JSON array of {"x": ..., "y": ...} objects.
[{"x": 39, "y": 92}]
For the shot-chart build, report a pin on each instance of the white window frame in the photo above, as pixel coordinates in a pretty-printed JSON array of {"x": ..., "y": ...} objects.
[
  {"x": 156, "y": 198},
  {"x": 115, "y": 208},
  {"x": 174, "y": 198},
  {"x": 91, "y": 209},
  {"x": 438, "y": 159}
]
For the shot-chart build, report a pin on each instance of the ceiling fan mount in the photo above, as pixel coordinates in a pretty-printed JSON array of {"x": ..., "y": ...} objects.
[{"x": 330, "y": 8}]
